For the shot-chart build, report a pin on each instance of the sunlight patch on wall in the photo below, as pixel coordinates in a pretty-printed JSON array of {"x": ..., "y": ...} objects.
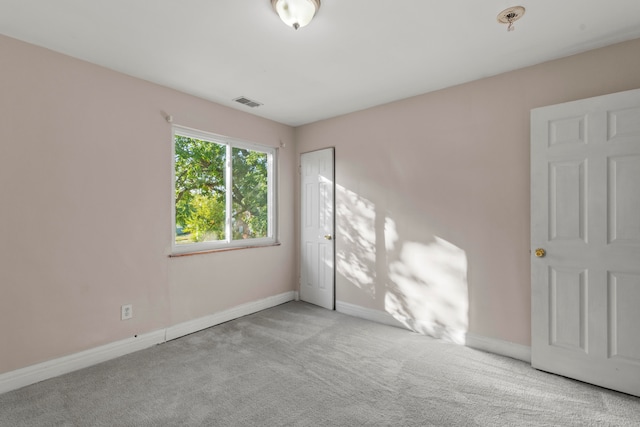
[
  {"x": 428, "y": 290},
  {"x": 356, "y": 255},
  {"x": 390, "y": 234}
]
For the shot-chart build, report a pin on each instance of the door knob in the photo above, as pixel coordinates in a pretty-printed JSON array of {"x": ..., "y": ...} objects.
[
  {"x": 540, "y": 253},
  {"x": 328, "y": 236}
]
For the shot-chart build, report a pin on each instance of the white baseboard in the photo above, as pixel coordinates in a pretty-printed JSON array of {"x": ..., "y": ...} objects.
[
  {"x": 421, "y": 327},
  {"x": 504, "y": 348},
  {"x": 492, "y": 345},
  {"x": 196, "y": 325},
  {"x": 63, "y": 365},
  {"x": 377, "y": 316},
  {"x": 52, "y": 368}
]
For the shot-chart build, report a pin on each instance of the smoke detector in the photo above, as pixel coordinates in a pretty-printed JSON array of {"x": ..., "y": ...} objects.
[{"x": 511, "y": 15}]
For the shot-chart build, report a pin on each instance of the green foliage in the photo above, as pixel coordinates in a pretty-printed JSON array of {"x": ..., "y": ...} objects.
[
  {"x": 200, "y": 190},
  {"x": 206, "y": 219},
  {"x": 250, "y": 185}
]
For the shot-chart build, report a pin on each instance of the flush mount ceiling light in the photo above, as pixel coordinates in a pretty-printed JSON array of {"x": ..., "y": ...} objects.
[
  {"x": 296, "y": 13},
  {"x": 511, "y": 15}
]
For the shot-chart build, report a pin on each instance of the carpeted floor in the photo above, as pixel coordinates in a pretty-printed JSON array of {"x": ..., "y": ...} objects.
[{"x": 299, "y": 365}]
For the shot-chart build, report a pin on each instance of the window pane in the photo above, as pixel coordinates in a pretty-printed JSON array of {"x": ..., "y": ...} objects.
[
  {"x": 200, "y": 190},
  {"x": 250, "y": 215}
]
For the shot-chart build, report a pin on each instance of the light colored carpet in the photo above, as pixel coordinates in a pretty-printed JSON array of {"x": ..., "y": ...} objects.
[{"x": 299, "y": 365}]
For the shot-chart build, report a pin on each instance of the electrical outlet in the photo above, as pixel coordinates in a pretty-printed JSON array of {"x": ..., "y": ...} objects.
[{"x": 126, "y": 312}]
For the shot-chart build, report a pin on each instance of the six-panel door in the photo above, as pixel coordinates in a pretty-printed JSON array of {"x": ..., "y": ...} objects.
[{"x": 585, "y": 214}]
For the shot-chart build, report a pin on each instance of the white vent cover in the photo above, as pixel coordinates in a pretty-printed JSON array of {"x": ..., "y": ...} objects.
[{"x": 248, "y": 102}]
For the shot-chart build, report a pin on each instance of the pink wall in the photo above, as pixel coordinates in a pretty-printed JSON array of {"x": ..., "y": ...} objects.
[
  {"x": 85, "y": 212},
  {"x": 433, "y": 193},
  {"x": 433, "y": 196}
]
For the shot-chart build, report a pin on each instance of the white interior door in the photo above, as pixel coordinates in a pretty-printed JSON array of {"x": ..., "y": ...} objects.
[
  {"x": 585, "y": 213},
  {"x": 317, "y": 225}
]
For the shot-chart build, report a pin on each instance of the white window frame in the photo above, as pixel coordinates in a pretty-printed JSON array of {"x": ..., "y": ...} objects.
[{"x": 230, "y": 144}]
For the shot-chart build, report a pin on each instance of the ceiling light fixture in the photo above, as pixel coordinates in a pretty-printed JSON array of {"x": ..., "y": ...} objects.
[
  {"x": 296, "y": 13},
  {"x": 511, "y": 15}
]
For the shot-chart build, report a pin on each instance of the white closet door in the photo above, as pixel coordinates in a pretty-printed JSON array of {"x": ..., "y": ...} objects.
[{"x": 317, "y": 228}]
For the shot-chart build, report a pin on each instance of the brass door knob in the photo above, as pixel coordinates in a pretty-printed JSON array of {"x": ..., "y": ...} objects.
[
  {"x": 328, "y": 236},
  {"x": 540, "y": 252}
]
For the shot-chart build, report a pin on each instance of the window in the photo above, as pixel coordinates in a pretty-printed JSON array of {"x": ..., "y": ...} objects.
[{"x": 224, "y": 192}]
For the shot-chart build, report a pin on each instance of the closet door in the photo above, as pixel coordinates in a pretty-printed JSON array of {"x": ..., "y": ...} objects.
[{"x": 317, "y": 228}]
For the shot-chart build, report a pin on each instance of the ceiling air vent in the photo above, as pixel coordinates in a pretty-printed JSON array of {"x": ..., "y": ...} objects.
[{"x": 248, "y": 102}]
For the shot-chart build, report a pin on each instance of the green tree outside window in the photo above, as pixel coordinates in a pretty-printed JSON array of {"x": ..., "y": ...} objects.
[{"x": 201, "y": 191}]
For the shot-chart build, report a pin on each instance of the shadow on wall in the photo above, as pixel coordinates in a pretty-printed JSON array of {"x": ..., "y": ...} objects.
[{"x": 422, "y": 284}]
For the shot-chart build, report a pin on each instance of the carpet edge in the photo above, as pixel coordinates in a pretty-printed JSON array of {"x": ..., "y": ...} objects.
[
  {"x": 28, "y": 375},
  {"x": 501, "y": 347},
  {"x": 205, "y": 322},
  {"x": 23, "y": 377}
]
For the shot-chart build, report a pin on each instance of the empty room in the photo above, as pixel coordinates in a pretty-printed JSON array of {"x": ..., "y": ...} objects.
[{"x": 307, "y": 213}]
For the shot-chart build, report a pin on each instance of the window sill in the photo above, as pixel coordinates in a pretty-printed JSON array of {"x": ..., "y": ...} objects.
[{"x": 210, "y": 251}]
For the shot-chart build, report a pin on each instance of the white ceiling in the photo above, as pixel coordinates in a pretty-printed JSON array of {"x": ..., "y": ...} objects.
[{"x": 355, "y": 53}]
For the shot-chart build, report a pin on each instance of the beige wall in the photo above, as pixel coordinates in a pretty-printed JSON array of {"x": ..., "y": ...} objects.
[
  {"x": 85, "y": 209},
  {"x": 433, "y": 194},
  {"x": 433, "y": 202}
]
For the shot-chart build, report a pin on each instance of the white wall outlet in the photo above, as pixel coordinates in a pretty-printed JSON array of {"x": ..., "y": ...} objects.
[{"x": 126, "y": 312}]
